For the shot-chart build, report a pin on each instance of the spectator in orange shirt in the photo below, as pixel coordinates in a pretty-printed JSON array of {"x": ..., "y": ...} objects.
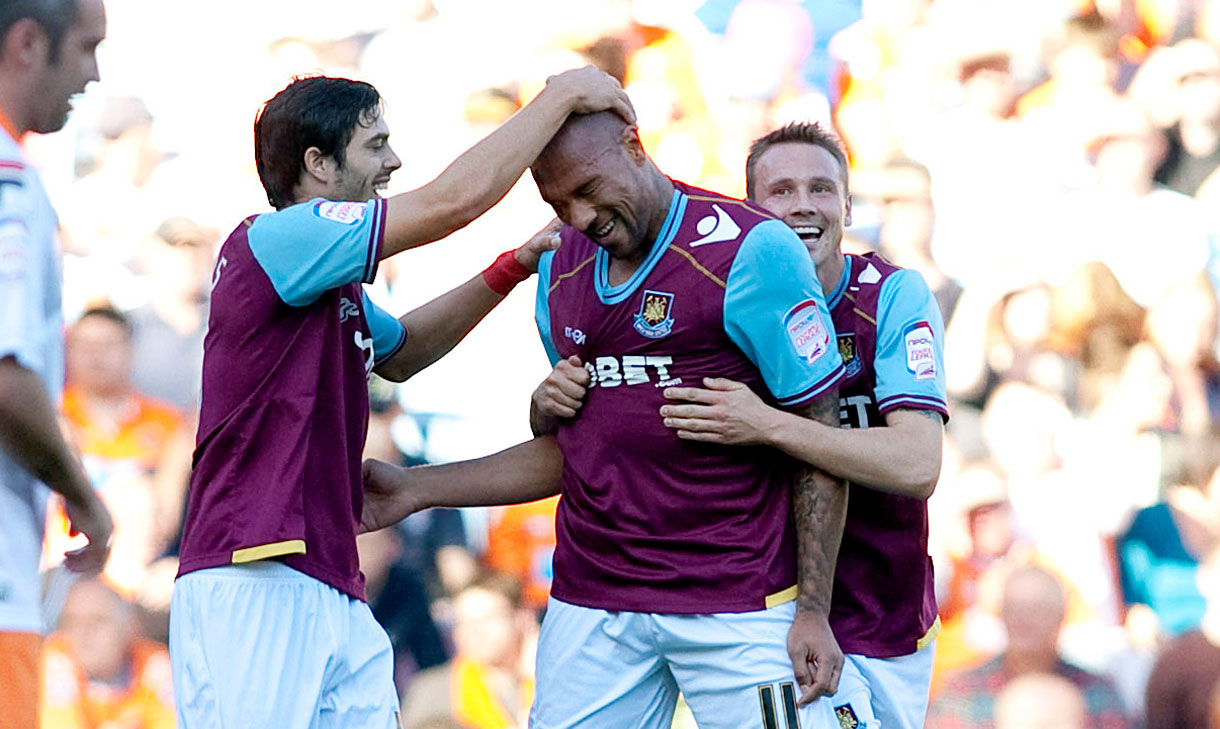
[{"x": 98, "y": 672}]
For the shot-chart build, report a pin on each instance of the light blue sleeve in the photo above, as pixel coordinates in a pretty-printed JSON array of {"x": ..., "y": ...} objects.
[
  {"x": 388, "y": 333},
  {"x": 910, "y": 357},
  {"x": 775, "y": 312},
  {"x": 542, "y": 307},
  {"x": 309, "y": 248}
]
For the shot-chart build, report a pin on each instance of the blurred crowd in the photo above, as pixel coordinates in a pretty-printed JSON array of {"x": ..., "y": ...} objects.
[{"x": 1049, "y": 166}]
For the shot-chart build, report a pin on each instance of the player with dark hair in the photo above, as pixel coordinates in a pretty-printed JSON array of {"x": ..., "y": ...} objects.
[
  {"x": 678, "y": 566},
  {"x": 268, "y": 626},
  {"x": 47, "y": 56},
  {"x": 891, "y": 412}
]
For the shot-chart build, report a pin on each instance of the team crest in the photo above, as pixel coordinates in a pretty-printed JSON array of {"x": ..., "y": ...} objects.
[
  {"x": 847, "y": 717},
  {"x": 655, "y": 318},
  {"x": 847, "y": 352}
]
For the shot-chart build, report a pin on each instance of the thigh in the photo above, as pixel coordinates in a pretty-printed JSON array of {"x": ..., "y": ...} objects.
[
  {"x": 734, "y": 670},
  {"x": 20, "y": 669},
  {"x": 361, "y": 693},
  {"x": 250, "y": 646},
  {"x": 600, "y": 670},
  {"x": 899, "y": 686}
]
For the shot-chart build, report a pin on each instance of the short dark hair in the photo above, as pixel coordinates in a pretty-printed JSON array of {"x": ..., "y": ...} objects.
[
  {"x": 110, "y": 314},
  {"x": 802, "y": 133},
  {"x": 312, "y": 111},
  {"x": 53, "y": 16}
]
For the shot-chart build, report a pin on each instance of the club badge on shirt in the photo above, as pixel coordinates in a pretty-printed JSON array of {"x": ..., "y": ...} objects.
[
  {"x": 921, "y": 354},
  {"x": 655, "y": 318},
  {"x": 847, "y": 352},
  {"x": 806, "y": 330}
]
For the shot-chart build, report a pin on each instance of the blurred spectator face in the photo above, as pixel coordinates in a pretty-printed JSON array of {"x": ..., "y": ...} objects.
[
  {"x": 1128, "y": 161},
  {"x": 1033, "y": 610},
  {"x": 1026, "y": 317},
  {"x": 991, "y": 534},
  {"x": 368, "y": 163},
  {"x": 180, "y": 261},
  {"x": 1198, "y": 82},
  {"x": 486, "y": 626},
  {"x": 988, "y": 85},
  {"x": 1183, "y": 324},
  {"x": 1040, "y": 701},
  {"x": 98, "y": 356},
  {"x": 1080, "y": 66},
  {"x": 1019, "y": 426},
  {"x": 906, "y": 228},
  {"x": 100, "y": 627},
  {"x": 803, "y": 185},
  {"x": 69, "y": 67}
]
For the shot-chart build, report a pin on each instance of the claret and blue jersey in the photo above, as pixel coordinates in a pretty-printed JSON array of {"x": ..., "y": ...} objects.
[
  {"x": 891, "y": 338},
  {"x": 291, "y": 340},
  {"x": 649, "y": 522}
]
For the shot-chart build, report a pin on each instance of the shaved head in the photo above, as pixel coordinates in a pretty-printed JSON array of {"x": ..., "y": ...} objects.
[{"x": 582, "y": 137}]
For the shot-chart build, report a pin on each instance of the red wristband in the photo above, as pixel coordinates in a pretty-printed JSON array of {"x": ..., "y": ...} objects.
[{"x": 505, "y": 273}]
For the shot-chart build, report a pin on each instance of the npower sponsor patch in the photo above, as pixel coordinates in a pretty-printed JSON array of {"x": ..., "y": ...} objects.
[
  {"x": 806, "y": 330},
  {"x": 921, "y": 352},
  {"x": 348, "y": 213}
]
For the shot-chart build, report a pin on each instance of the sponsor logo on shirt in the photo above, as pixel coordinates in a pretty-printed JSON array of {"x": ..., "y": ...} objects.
[
  {"x": 805, "y": 329},
  {"x": 631, "y": 370},
  {"x": 853, "y": 411},
  {"x": 655, "y": 318},
  {"x": 847, "y": 351},
  {"x": 576, "y": 335},
  {"x": 921, "y": 354},
  {"x": 348, "y": 213},
  {"x": 347, "y": 309},
  {"x": 716, "y": 228}
]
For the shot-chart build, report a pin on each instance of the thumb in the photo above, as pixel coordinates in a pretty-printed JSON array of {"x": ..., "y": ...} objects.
[{"x": 574, "y": 360}]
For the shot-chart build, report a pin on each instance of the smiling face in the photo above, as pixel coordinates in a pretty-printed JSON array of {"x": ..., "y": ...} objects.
[
  {"x": 368, "y": 162},
  {"x": 597, "y": 179},
  {"x": 803, "y": 185}
]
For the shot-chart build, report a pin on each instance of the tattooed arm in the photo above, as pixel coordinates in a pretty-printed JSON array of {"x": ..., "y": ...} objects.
[{"x": 819, "y": 508}]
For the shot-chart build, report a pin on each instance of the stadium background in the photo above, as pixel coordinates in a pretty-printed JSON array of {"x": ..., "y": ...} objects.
[{"x": 1004, "y": 148}]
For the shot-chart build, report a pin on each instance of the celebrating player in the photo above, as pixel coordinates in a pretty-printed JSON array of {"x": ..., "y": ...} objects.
[
  {"x": 47, "y": 55},
  {"x": 891, "y": 410},
  {"x": 677, "y": 566},
  {"x": 268, "y": 627}
]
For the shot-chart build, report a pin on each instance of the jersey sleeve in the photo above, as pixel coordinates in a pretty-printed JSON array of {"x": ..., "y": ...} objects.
[
  {"x": 309, "y": 248},
  {"x": 542, "y": 307},
  {"x": 775, "y": 312},
  {"x": 388, "y": 333},
  {"x": 910, "y": 358},
  {"x": 22, "y": 281}
]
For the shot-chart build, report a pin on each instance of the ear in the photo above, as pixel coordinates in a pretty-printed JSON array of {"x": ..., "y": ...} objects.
[
  {"x": 847, "y": 216},
  {"x": 318, "y": 166},
  {"x": 630, "y": 140},
  {"x": 26, "y": 44}
]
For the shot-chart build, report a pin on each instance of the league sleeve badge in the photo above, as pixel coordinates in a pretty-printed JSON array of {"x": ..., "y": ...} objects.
[
  {"x": 806, "y": 330},
  {"x": 655, "y": 318},
  {"x": 921, "y": 354},
  {"x": 348, "y": 213}
]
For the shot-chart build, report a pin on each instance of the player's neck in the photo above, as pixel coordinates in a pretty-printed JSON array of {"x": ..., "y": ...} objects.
[{"x": 831, "y": 271}]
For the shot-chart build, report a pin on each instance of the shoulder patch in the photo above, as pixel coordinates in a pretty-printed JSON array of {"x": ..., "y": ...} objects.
[
  {"x": 348, "y": 213},
  {"x": 870, "y": 275},
  {"x": 921, "y": 355},
  {"x": 805, "y": 329}
]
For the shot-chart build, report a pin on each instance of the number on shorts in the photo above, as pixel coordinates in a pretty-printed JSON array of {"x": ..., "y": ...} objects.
[{"x": 770, "y": 713}]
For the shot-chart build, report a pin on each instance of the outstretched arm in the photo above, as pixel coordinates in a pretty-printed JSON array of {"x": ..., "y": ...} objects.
[
  {"x": 29, "y": 434},
  {"x": 436, "y": 327},
  {"x": 902, "y": 457},
  {"x": 484, "y": 173},
  {"x": 525, "y": 472},
  {"x": 819, "y": 509}
]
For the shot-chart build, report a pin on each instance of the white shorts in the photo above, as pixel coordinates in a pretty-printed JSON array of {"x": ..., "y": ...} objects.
[
  {"x": 896, "y": 688},
  {"x": 262, "y": 645},
  {"x": 614, "y": 670}
]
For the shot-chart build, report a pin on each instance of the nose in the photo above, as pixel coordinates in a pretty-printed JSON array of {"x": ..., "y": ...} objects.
[
  {"x": 580, "y": 215},
  {"x": 392, "y": 161},
  {"x": 803, "y": 202}
]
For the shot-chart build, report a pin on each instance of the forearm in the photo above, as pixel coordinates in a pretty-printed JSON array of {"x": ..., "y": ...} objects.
[
  {"x": 897, "y": 460},
  {"x": 436, "y": 327},
  {"x": 819, "y": 509},
  {"x": 30, "y": 434},
  {"x": 526, "y": 472}
]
